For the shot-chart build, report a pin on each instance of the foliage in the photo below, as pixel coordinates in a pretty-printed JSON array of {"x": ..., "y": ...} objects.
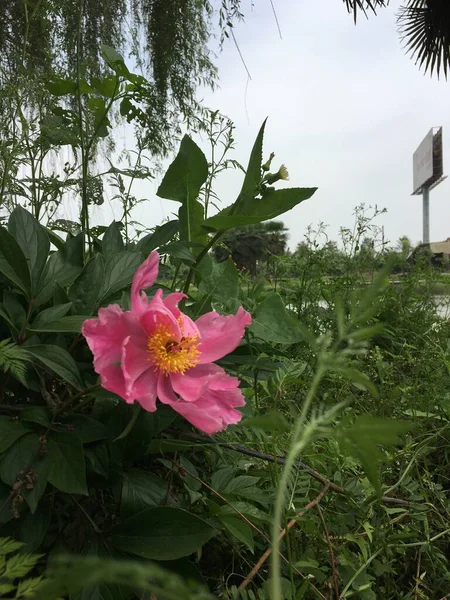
[{"x": 335, "y": 480}]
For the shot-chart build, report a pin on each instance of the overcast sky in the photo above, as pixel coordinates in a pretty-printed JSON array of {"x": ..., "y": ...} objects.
[{"x": 346, "y": 107}]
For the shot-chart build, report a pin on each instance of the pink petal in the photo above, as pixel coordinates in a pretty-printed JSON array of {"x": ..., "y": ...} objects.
[
  {"x": 144, "y": 278},
  {"x": 195, "y": 381},
  {"x": 111, "y": 378},
  {"x": 145, "y": 390},
  {"x": 105, "y": 336},
  {"x": 134, "y": 361},
  {"x": 165, "y": 391},
  {"x": 214, "y": 410},
  {"x": 221, "y": 335},
  {"x": 188, "y": 326},
  {"x": 157, "y": 314}
]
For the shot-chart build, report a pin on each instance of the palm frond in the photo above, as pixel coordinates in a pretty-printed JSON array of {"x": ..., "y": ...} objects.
[
  {"x": 355, "y": 6},
  {"x": 424, "y": 26},
  {"x": 13, "y": 359}
]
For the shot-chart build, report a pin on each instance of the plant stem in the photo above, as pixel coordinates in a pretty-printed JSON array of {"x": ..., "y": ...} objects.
[{"x": 300, "y": 440}]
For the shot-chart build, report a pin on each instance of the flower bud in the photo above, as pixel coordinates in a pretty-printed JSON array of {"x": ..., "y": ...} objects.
[{"x": 266, "y": 166}]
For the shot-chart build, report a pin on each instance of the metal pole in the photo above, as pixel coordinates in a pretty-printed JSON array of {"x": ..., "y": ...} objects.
[{"x": 426, "y": 215}]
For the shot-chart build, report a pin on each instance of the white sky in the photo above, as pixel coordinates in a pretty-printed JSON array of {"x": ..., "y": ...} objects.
[{"x": 346, "y": 107}]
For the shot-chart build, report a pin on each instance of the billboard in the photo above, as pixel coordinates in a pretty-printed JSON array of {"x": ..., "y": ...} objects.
[{"x": 427, "y": 161}]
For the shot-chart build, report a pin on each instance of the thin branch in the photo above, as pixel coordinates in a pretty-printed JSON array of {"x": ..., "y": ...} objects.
[
  {"x": 251, "y": 524},
  {"x": 281, "y": 461},
  {"x": 289, "y": 526},
  {"x": 334, "y": 571}
]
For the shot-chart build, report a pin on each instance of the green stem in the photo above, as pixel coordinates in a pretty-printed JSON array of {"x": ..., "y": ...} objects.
[
  {"x": 300, "y": 440},
  {"x": 199, "y": 259}
]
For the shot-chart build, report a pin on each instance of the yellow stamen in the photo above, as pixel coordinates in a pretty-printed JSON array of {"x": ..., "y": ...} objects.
[{"x": 170, "y": 356}]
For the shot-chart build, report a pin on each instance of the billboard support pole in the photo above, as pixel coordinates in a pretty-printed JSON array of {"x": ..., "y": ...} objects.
[{"x": 426, "y": 214}]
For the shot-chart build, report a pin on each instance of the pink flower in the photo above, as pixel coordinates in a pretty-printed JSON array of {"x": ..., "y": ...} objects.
[{"x": 155, "y": 351}]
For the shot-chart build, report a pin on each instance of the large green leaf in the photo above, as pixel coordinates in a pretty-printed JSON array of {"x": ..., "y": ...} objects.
[
  {"x": 362, "y": 440},
  {"x": 20, "y": 455},
  {"x": 271, "y": 322},
  {"x": 162, "y": 235},
  {"x": 252, "y": 179},
  {"x": 186, "y": 175},
  {"x": 119, "y": 271},
  {"x": 190, "y": 215},
  {"x": 162, "y": 533},
  {"x": 13, "y": 263},
  {"x": 269, "y": 206},
  {"x": 141, "y": 490},
  {"x": 238, "y": 529},
  {"x": 112, "y": 242},
  {"x": 218, "y": 280},
  {"x": 33, "y": 528},
  {"x": 71, "y": 324},
  {"x": 67, "y": 466},
  {"x": 50, "y": 314},
  {"x": 33, "y": 240},
  {"x": 57, "y": 360},
  {"x": 62, "y": 268},
  {"x": 10, "y": 431},
  {"x": 86, "y": 289},
  {"x": 182, "y": 182},
  {"x": 88, "y": 429},
  {"x": 41, "y": 468}
]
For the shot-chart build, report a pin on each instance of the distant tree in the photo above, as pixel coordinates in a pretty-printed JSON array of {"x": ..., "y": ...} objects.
[{"x": 254, "y": 244}]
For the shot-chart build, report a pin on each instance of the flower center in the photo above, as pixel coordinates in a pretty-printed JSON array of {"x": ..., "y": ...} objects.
[{"x": 170, "y": 356}]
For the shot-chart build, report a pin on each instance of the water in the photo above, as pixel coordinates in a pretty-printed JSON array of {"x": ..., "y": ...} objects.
[{"x": 442, "y": 303}]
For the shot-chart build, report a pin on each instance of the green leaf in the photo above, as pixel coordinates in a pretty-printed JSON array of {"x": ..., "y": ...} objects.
[
  {"x": 186, "y": 175},
  {"x": 61, "y": 87},
  {"x": 10, "y": 431},
  {"x": 112, "y": 242},
  {"x": 190, "y": 215},
  {"x": 271, "y": 322},
  {"x": 162, "y": 235},
  {"x": 50, "y": 314},
  {"x": 33, "y": 528},
  {"x": 41, "y": 468},
  {"x": 113, "y": 59},
  {"x": 106, "y": 86},
  {"x": 269, "y": 206},
  {"x": 67, "y": 466},
  {"x": 19, "y": 565},
  {"x": 141, "y": 490},
  {"x": 178, "y": 250},
  {"x": 97, "y": 455},
  {"x": 218, "y": 280},
  {"x": 119, "y": 271},
  {"x": 272, "y": 422},
  {"x": 88, "y": 429},
  {"x": 362, "y": 440},
  {"x": 13, "y": 263},
  {"x": 238, "y": 529},
  {"x": 62, "y": 268},
  {"x": 33, "y": 240},
  {"x": 36, "y": 414},
  {"x": 162, "y": 533},
  {"x": 19, "y": 456},
  {"x": 57, "y": 360},
  {"x": 85, "y": 290},
  {"x": 252, "y": 179},
  {"x": 70, "y": 324},
  {"x": 15, "y": 310}
]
